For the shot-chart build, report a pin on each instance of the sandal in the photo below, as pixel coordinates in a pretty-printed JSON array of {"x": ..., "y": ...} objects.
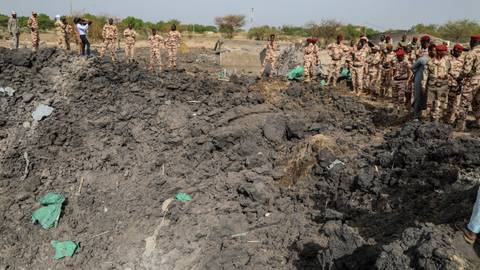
[{"x": 463, "y": 228}]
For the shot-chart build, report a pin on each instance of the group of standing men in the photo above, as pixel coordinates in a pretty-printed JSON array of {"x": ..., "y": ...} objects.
[
  {"x": 64, "y": 32},
  {"x": 419, "y": 75}
]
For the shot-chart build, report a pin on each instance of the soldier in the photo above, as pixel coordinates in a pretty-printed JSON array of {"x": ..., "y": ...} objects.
[
  {"x": 173, "y": 43},
  {"x": 32, "y": 24},
  {"x": 271, "y": 56},
  {"x": 414, "y": 43},
  {"x": 68, "y": 30},
  {"x": 401, "y": 73},
  {"x": 357, "y": 62},
  {"x": 436, "y": 81},
  {"x": 130, "y": 37},
  {"x": 470, "y": 78},
  {"x": 410, "y": 57},
  {"x": 403, "y": 43},
  {"x": 374, "y": 60},
  {"x": 337, "y": 52},
  {"x": 456, "y": 62},
  {"x": 60, "y": 32},
  {"x": 387, "y": 64},
  {"x": 310, "y": 58},
  {"x": 156, "y": 42},
  {"x": 110, "y": 36},
  {"x": 423, "y": 50},
  {"x": 14, "y": 30}
]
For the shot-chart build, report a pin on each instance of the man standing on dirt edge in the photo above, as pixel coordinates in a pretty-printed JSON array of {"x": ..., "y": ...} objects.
[
  {"x": 420, "y": 95},
  {"x": 155, "y": 41},
  {"x": 270, "y": 56},
  {"x": 337, "y": 52},
  {"x": 110, "y": 35},
  {"x": 173, "y": 43},
  {"x": 14, "y": 30},
  {"x": 32, "y": 24},
  {"x": 471, "y": 229},
  {"x": 470, "y": 79},
  {"x": 130, "y": 37}
]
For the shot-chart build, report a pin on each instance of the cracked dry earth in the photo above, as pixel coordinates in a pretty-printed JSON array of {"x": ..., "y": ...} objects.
[{"x": 282, "y": 175}]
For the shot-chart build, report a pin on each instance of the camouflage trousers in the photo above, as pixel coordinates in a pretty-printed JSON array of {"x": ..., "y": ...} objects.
[
  {"x": 172, "y": 56},
  {"x": 399, "y": 89},
  {"x": 35, "y": 40},
  {"x": 129, "y": 51},
  {"x": 308, "y": 67},
  {"x": 357, "y": 78},
  {"x": 273, "y": 63},
  {"x": 470, "y": 96},
  {"x": 453, "y": 104},
  {"x": 63, "y": 42},
  {"x": 373, "y": 79},
  {"x": 335, "y": 69},
  {"x": 15, "y": 41},
  {"x": 155, "y": 59},
  {"x": 386, "y": 81},
  {"x": 109, "y": 44},
  {"x": 439, "y": 92}
]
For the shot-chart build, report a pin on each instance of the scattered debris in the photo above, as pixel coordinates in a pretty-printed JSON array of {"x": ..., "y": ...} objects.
[
  {"x": 7, "y": 91},
  {"x": 335, "y": 163},
  {"x": 41, "y": 111},
  {"x": 64, "y": 248},
  {"x": 244, "y": 234},
  {"x": 27, "y": 166},
  {"x": 49, "y": 215},
  {"x": 183, "y": 197}
]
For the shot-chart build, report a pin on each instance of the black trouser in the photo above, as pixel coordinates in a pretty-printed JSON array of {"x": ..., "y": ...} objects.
[{"x": 85, "y": 45}]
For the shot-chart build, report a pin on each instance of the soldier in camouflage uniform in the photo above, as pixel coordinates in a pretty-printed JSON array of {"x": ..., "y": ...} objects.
[
  {"x": 387, "y": 64},
  {"x": 456, "y": 62},
  {"x": 63, "y": 30},
  {"x": 373, "y": 80},
  {"x": 172, "y": 44},
  {"x": 14, "y": 30},
  {"x": 271, "y": 56},
  {"x": 470, "y": 78},
  {"x": 130, "y": 37},
  {"x": 32, "y": 24},
  {"x": 401, "y": 73},
  {"x": 337, "y": 52},
  {"x": 357, "y": 62},
  {"x": 310, "y": 58},
  {"x": 155, "y": 41},
  {"x": 110, "y": 35},
  {"x": 436, "y": 81}
]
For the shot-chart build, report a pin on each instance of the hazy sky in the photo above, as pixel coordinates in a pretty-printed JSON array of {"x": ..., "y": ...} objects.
[{"x": 379, "y": 14}]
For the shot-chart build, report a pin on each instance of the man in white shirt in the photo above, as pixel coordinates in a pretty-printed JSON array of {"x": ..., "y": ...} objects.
[{"x": 82, "y": 28}]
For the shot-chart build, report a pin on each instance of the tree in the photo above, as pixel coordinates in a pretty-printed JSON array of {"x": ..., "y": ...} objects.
[
  {"x": 458, "y": 31},
  {"x": 262, "y": 32},
  {"x": 431, "y": 29},
  {"x": 326, "y": 30},
  {"x": 230, "y": 24},
  {"x": 3, "y": 20},
  {"x": 138, "y": 24},
  {"x": 294, "y": 31},
  {"x": 44, "y": 22}
]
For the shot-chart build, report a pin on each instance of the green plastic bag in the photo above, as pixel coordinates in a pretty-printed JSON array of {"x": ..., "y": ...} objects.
[
  {"x": 345, "y": 73},
  {"x": 64, "y": 248},
  {"x": 49, "y": 215},
  {"x": 183, "y": 197},
  {"x": 296, "y": 73}
]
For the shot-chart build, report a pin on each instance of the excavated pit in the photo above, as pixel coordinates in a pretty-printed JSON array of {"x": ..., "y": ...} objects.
[{"x": 282, "y": 175}]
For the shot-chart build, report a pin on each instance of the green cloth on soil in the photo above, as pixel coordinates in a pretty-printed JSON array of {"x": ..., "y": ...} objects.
[
  {"x": 183, "y": 197},
  {"x": 48, "y": 215},
  {"x": 345, "y": 73},
  {"x": 64, "y": 248},
  {"x": 296, "y": 73}
]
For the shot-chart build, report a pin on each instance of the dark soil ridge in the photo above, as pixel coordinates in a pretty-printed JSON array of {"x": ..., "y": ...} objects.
[{"x": 307, "y": 181}]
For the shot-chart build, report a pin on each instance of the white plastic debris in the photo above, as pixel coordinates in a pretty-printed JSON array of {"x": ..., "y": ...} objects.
[
  {"x": 7, "y": 91},
  {"x": 335, "y": 163},
  {"x": 41, "y": 112}
]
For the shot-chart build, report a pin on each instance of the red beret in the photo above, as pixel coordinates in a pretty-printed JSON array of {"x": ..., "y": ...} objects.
[
  {"x": 475, "y": 38},
  {"x": 459, "y": 47},
  {"x": 426, "y": 38},
  {"x": 388, "y": 37},
  {"x": 400, "y": 52},
  {"x": 312, "y": 40},
  {"x": 441, "y": 48}
]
